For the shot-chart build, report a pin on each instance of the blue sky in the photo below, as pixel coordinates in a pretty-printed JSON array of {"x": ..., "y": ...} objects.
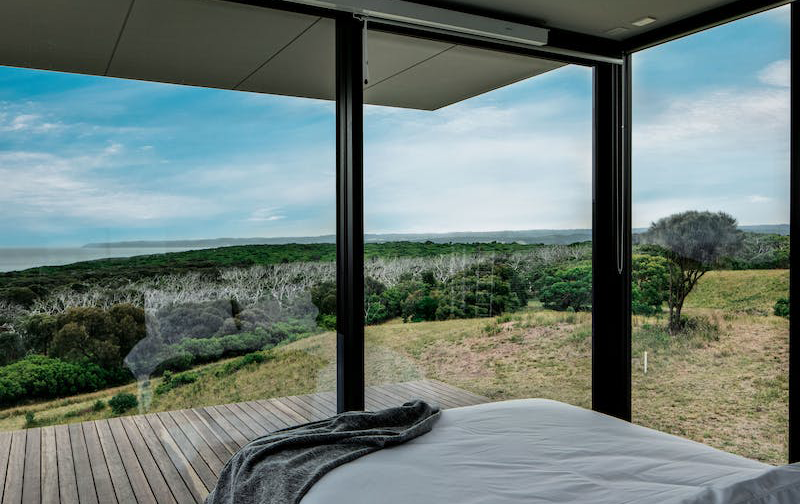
[{"x": 93, "y": 159}]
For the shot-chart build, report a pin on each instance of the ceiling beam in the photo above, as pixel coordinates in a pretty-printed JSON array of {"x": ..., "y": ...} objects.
[{"x": 699, "y": 22}]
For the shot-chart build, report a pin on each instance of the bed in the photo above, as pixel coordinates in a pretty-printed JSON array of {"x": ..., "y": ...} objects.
[{"x": 540, "y": 451}]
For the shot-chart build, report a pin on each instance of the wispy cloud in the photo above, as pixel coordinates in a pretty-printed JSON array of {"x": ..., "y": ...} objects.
[
  {"x": 777, "y": 73},
  {"x": 266, "y": 215}
]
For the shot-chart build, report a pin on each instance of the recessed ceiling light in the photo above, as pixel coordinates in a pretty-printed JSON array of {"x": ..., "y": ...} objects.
[
  {"x": 616, "y": 31},
  {"x": 644, "y": 21}
]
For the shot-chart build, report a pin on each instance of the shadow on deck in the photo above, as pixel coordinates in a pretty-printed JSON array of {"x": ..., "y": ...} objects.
[{"x": 168, "y": 457}]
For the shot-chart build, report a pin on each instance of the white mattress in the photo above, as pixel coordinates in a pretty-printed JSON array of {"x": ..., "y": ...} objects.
[{"x": 539, "y": 451}]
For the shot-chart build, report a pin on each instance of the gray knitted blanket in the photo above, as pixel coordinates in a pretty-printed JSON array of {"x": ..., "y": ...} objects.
[{"x": 280, "y": 467}]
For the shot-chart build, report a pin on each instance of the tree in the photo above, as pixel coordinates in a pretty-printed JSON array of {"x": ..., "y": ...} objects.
[
  {"x": 694, "y": 242},
  {"x": 101, "y": 336},
  {"x": 568, "y": 287},
  {"x": 649, "y": 284}
]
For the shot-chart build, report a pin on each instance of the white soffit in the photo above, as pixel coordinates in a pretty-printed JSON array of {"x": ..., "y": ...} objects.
[
  {"x": 306, "y": 67},
  {"x": 71, "y": 36},
  {"x": 451, "y": 75},
  {"x": 202, "y": 43},
  {"x": 226, "y": 45},
  {"x": 591, "y": 17}
]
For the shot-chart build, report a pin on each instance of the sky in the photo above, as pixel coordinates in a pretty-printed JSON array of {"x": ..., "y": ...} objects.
[{"x": 87, "y": 159}]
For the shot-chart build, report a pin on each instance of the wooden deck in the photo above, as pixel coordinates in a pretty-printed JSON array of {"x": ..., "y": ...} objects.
[{"x": 169, "y": 457}]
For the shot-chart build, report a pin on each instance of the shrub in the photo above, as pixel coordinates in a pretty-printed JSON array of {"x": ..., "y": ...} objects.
[
  {"x": 172, "y": 381},
  {"x": 327, "y": 322},
  {"x": 40, "y": 377},
  {"x": 98, "y": 405},
  {"x": 102, "y": 336},
  {"x": 22, "y": 296},
  {"x": 123, "y": 402},
  {"x": 649, "y": 284},
  {"x": 782, "y": 307},
  {"x": 568, "y": 287},
  {"x": 30, "y": 420},
  {"x": 242, "y": 362}
]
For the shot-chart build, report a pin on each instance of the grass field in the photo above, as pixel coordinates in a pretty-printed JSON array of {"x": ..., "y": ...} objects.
[{"x": 725, "y": 386}]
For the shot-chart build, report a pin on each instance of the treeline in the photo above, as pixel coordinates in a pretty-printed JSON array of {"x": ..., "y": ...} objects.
[
  {"x": 43, "y": 279},
  {"x": 485, "y": 289}
]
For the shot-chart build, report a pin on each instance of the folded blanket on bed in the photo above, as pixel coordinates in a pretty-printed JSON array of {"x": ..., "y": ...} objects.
[{"x": 280, "y": 467}]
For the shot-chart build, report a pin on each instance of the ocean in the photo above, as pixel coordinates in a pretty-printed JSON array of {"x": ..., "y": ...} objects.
[{"x": 20, "y": 258}]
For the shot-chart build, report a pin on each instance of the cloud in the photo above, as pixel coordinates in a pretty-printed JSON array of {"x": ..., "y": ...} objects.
[
  {"x": 42, "y": 186},
  {"x": 265, "y": 215},
  {"x": 481, "y": 165},
  {"x": 777, "y": 73},
  {"x": 27, "y": 123},
  {"x": 718, "y": 149}
]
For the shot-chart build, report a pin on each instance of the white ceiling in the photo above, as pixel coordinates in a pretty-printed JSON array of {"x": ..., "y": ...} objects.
[
  {"x": 592, "y": 17},
  {"x": 226, "y": 45}
]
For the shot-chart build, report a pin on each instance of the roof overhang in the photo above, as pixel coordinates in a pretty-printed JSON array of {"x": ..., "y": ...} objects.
[{"x": 423, "y": 54}]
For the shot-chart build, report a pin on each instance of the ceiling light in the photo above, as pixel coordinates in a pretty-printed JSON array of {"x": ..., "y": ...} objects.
[
  {"x": 644, "y": 21},
  {"x": 616, "y": 31}
]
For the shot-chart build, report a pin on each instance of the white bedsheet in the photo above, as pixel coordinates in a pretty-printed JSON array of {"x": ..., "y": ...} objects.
[{"x": 539, "y": 451}]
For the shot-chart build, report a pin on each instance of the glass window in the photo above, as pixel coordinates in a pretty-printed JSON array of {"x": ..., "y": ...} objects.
[
  {"x": 478, "y": 226},
  {"x": 163, "y": 247},
  {"x": 710, "y": 217}
]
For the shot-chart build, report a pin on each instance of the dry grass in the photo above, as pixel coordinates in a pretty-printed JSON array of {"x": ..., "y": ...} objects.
[{"x": 729, "y": 392}]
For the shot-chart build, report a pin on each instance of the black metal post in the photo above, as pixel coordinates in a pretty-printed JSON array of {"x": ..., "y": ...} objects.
[
  {"x": 349, "y": 215},
  {"x": 794, "y": 246},
  {"x": 611, "y": 241}
]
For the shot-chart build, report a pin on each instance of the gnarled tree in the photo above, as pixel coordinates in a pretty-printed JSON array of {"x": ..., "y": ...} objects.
[{"x": 694, "y": 242}]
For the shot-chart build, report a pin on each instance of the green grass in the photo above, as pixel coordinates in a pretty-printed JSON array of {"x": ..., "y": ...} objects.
[
  {"x": 750, "y": 291},
  {"x": 726, "y": 387}
]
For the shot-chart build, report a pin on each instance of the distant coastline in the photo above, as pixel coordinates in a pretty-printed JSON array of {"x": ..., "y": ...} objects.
[{"x": 533, "y": 236}]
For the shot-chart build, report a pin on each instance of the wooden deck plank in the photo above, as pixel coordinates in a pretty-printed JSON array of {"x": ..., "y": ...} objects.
[
  {"x": 300, "y": 409},
  {"x": 322, "y": 408},
  {"x": 229, "y": 417},
  {"x": 186, "y": 447},
  {"x": 116, "y": 469},
  {"x": 171, "y": 449},
  {"x": 386, "y": 399},
  {"x": 83, "y": 469},
  {"x": 325, "y": 399},
  {"x": 221, "y": 434},
  {"x": 443, "y": 396},
  {"x": 141, "y": 488},
  {"x": 460, "y": 395},
  {"x": 410, "y": 394},
  {"x": 235, "y": 434},
  {"x": 257, "y": 411},
  {"x": 292, "y": 415},
  {"x": 102, "y": 478},
  {"x": 67, "y": 486},
  {"x": 157, "y": 482},
  {"x": 16, "y": 468},
  {"x": 5, "y": 453},
  {"x": 166, "y": 469},
  {"x": 31, "y": 482},
  {"x": 49, "y": 471},
  {"x": 218, "y": 447},
  {"x": 168, "y": 457},
  {"x": 270, "y": 414},
  {"x": 214, "y": 463},
  {"x": 258, "y": 427}
]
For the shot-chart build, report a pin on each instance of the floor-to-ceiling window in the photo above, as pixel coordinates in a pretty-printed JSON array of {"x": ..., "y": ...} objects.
[
  {"x": 711, "y": 244},
  {"x": 165, "y": 247},
  {"x": 478, "y": 222}
]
